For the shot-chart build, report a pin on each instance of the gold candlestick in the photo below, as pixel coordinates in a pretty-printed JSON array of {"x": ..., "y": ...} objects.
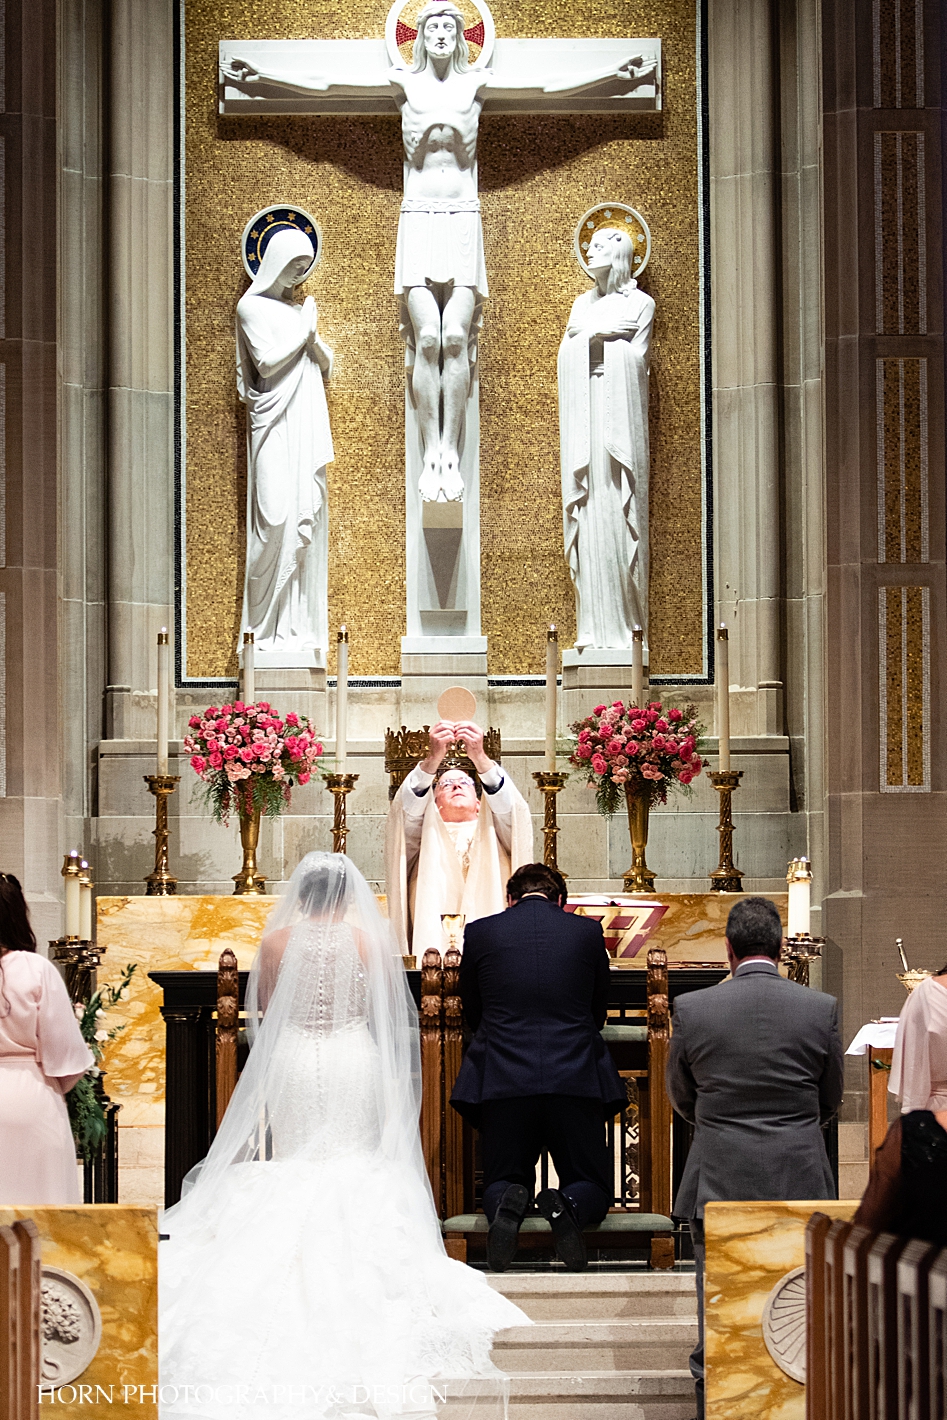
[
  {"x": 797, "y": 953},
  {"x": 726, "y": 877},
  {"x": 550, "y": 782},
  {"x": 340, "y": 785},
  {"x": 160, "y": 882},
  {"x": 80, "y": 961}
]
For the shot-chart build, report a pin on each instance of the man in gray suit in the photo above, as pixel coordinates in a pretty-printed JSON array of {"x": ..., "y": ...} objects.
[{"x": 755, "y": 1065}]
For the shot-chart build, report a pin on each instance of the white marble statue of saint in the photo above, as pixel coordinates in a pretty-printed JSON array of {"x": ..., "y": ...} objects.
[
  {"x": 281, "y": 363},
  {"x": 603, "y": 429},
  {"x": 445, "y": 849}
]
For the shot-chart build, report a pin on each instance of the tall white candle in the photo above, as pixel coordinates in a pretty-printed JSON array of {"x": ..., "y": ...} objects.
[
  {"x": 249, "y": 669},
  {"x": 342, "y": 702},
  {"x": 85, "y": 902},
  {"x": 71, "y": 874},
  {"x": 552, "y": 673},
  {"x": 722, "y": 688},
  {"x": 799, "y": 879},
  {"x": 164, "y": 697},
  {"x": 637, "y": 667}
]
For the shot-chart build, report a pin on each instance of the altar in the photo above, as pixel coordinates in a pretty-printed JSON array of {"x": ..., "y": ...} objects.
[{"x": 188, "y": 934}]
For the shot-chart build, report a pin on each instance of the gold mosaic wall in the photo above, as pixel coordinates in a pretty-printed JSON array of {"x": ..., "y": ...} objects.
[
  {"x": 904, "y": 621},
  {"x": 537, "y": 176}
]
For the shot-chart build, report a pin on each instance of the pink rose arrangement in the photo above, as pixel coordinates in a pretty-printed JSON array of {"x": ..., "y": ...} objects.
[
  {"x": 645, "y": 751},
  {"x": 248, "y": 757}
]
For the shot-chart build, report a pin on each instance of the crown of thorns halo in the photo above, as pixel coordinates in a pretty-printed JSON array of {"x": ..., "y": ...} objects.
[{"x": 400, "y": 34}]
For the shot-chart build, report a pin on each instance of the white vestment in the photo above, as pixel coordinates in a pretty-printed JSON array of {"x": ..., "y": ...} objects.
[
  {"x": 432, "y": 869},
  {"x": 603, "y": 430}
]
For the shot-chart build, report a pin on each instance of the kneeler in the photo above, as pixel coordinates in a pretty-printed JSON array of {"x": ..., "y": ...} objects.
[{"x": 449, "y": 1143}]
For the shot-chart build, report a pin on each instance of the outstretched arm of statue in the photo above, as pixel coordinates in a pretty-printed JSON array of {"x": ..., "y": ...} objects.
[
  {"x": 241, "y": 73},
  {"x": 609, "y": 80}
]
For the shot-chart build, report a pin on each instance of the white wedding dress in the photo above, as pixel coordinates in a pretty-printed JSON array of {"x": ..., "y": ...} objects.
[{"x": 305, "y": 1276}]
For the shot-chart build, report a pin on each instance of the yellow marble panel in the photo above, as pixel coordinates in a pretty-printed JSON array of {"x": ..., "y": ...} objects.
[
  {"x": 693, "y": 928},
  {"x": 750, "y": 1246},
  {"x": 114, "y": 1251},
  {"x": 163, "y": 934}
]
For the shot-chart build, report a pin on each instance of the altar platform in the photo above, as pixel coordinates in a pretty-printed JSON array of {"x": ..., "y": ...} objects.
[{"x": 188, "y": 933}]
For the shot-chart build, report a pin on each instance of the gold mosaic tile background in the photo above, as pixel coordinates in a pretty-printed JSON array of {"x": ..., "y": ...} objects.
[
  {"x": 900, "y": 241},
  {"x": 537, "y": 176},
  {"x": 902, "y": 460},
  {"x": 905, "y": 699}
]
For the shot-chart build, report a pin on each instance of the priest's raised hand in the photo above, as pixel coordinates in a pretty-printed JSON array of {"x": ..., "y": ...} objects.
[{"x": 451, "y": 844}]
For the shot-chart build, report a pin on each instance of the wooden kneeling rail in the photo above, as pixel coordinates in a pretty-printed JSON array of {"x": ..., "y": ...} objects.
[{"x": 449, "y": 1145}]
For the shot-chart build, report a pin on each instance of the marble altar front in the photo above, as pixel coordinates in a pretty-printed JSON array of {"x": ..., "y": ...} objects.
[
  {"x": 113, "y": 1250},
  {"x": 159, "y": 934},
  {"x": 751, "y": 1247},
  {"x": 190, "y": 932}
]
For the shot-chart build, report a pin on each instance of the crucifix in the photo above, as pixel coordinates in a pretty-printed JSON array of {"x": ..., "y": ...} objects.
[{"x": 441, "y": 72}]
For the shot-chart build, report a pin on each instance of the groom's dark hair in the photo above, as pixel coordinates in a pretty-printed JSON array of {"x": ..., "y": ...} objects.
[{"x": 536, "y": 877}]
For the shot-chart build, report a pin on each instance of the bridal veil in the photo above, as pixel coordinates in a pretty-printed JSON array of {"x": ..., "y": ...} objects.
[{"x": 304, "y": 1275}]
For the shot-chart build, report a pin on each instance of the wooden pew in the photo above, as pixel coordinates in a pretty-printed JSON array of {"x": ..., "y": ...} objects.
[
  {"x": 876, "y": 1325},
  {"x": 20, "y": 1297}
]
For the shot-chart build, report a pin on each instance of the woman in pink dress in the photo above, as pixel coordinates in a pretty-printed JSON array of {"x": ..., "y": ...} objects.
[{"x": 42, "y": 1055}]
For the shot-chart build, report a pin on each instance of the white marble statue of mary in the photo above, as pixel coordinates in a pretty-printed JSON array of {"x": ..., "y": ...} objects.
[
  {"x": 280, "y": 367},
  {"x": 603, "y": 429}
]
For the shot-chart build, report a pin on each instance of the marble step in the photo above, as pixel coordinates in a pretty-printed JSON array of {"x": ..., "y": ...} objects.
[
  {"x": 605, "y": 1395},
  {"x": 596, "y": 1345},
  {"x": 586, "y": 1296}
]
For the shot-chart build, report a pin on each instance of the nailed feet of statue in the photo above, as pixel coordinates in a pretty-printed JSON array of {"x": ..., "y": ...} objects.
[{"x": 440, "y": 480}]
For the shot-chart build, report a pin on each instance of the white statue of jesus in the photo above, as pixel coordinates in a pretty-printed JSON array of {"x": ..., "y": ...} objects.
[{"x": 440, "y": 276}]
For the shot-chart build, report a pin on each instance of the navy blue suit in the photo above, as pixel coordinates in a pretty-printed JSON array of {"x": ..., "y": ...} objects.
[{"x": 537, "y": 1075}]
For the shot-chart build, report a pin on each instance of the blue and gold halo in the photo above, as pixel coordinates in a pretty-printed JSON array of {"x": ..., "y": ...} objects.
[{"x": 259, "y": 230}]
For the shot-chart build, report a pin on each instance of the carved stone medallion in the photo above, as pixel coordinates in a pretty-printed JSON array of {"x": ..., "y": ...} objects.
[
  {"x": 784, "y": 1324},
  {"x": 71, "y": 1326}
]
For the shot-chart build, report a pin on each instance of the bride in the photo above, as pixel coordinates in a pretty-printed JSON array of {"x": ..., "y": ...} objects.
[{"x": 304, "y": 1276}]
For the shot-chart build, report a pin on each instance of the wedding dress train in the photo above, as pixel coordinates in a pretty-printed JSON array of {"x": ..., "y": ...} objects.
[{"x": 305, "y": 1277}]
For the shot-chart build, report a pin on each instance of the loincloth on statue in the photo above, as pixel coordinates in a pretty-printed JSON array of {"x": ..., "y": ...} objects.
[{"x": 440, "y": 243}]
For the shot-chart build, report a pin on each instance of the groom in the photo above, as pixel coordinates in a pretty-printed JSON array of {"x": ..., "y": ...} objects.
[{"x": 538, "y": 1076}]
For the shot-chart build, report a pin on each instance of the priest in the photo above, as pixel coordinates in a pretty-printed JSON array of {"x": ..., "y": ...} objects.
[{"x": 448, "y": 850}]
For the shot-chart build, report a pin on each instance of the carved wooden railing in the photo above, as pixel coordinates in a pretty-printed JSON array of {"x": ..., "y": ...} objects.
[
  {"x": 21, "y": 1283},
  {"x": 203, "y": 1055},
  {"x": 228, "y": 1016},
  {"x": 876, "y": 1325},
  {"x": 442, "y": 1129}
]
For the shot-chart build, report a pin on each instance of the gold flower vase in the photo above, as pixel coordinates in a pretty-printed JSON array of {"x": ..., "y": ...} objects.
[
  {"x": 639, "y": 877},
  {"x": 249, "y": 879}
]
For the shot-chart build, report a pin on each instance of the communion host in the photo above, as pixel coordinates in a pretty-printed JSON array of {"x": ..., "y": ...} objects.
[{"x": 538, "y": 1075}]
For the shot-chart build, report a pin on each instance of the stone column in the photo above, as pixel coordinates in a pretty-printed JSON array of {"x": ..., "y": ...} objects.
[
  {"x": 798, "y": 39},
  {"x": 885, "y": 516},
  {"x": 140, "y": 396},
  {"x": 83, "y": 346},
  {"x": 744, "y": 158},
  {"x": 29, "y": 673}
]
